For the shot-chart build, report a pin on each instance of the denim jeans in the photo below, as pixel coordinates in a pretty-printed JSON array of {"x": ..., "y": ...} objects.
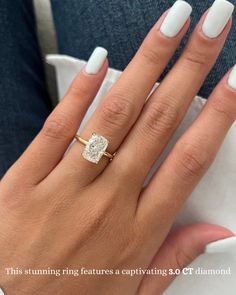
[
  {"x": 24, "y": 102},
  {"x": 81, "y": 25}
]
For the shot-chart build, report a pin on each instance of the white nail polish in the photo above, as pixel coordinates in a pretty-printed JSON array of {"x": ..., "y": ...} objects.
[
  {"x": 176, "y": 18},
  {"x": 232, "y": 78},
  {"x": 222, "y": 246},
  {"x": 217, "y": 18},
  {"x": 96, "y": 60},
  {"x": 1, "y": 292}
]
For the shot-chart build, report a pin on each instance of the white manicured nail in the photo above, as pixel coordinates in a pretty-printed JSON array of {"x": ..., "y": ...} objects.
[
  {"x": 176, "y": 18},
  {"x": 96, "y": 60},
  {"x": 232, "y": 78},
  {"x": 222, "y": 246},
  {"x": 1, "y": 292},
  {"x": 217, "y": 18}
]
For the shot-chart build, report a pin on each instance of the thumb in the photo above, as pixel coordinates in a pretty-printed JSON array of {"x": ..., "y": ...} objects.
[{"x": 179, "y": 249}]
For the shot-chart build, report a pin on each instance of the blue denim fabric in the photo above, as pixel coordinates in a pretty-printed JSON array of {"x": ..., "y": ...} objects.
[
  {"x": 81, "y": 25},
  {"x": 120, "y": 26},
  {"x": 24, "y": 103}
]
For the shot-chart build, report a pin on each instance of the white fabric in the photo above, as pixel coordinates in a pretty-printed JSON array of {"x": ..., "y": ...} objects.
[{"x": 213, "y": 201}]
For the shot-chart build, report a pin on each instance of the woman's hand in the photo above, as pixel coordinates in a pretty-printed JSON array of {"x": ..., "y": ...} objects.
[{"x": 65, "y": 212}]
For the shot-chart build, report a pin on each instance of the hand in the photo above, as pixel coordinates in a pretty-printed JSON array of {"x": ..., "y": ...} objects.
[{"x": 62, "y": 211}]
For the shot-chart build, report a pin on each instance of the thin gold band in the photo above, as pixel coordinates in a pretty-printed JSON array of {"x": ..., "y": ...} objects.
[{"x": 85, "y": 142}]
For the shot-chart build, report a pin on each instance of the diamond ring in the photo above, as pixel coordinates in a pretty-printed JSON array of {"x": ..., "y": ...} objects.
[{"x": 95, "y": 148}]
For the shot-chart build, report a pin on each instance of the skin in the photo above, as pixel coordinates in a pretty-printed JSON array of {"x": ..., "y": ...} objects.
[{"x": 63, "y": 212}]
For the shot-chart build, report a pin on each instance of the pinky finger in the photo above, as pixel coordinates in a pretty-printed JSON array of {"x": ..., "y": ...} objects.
[{"x": 50, "y": 144}]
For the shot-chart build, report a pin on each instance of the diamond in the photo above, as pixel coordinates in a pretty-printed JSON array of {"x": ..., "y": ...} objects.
[{"x": 95, "y": 148}]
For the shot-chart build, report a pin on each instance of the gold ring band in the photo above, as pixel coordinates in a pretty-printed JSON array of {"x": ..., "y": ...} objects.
[{"x": 99, "y": 144}]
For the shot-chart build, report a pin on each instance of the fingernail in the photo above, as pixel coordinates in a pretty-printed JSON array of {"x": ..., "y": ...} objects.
[
  {"x": 222, "y": 246},
  {"x": 176, "y": 18},
  {"x": 96, "y": 60},
  {"x": 232, "y": 78},
  {"x": 217, "y": 18}
]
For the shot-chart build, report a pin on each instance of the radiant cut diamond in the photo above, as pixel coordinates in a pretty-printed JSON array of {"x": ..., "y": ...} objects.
[{"x": 95, "y": 148}]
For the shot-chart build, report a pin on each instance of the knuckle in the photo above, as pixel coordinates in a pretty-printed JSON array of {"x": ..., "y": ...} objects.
[
  {"x": 182, "y": 258},
  {"x": 79, "y": 89},
  {"x": 193, "y": 160},
  {"x": 161, "y": 118},
  {"x": 116, "y": 111},
  {"x": 99, "y": 219},
  {"x": 150, "y": 55},
  {"x": 96, "y": 220},
  {"x": 225, "y": 106},
  {"x": 201, "y": 52},
  {"x": 57, "y": 128},
  {"x": 196, "y": 58}
]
